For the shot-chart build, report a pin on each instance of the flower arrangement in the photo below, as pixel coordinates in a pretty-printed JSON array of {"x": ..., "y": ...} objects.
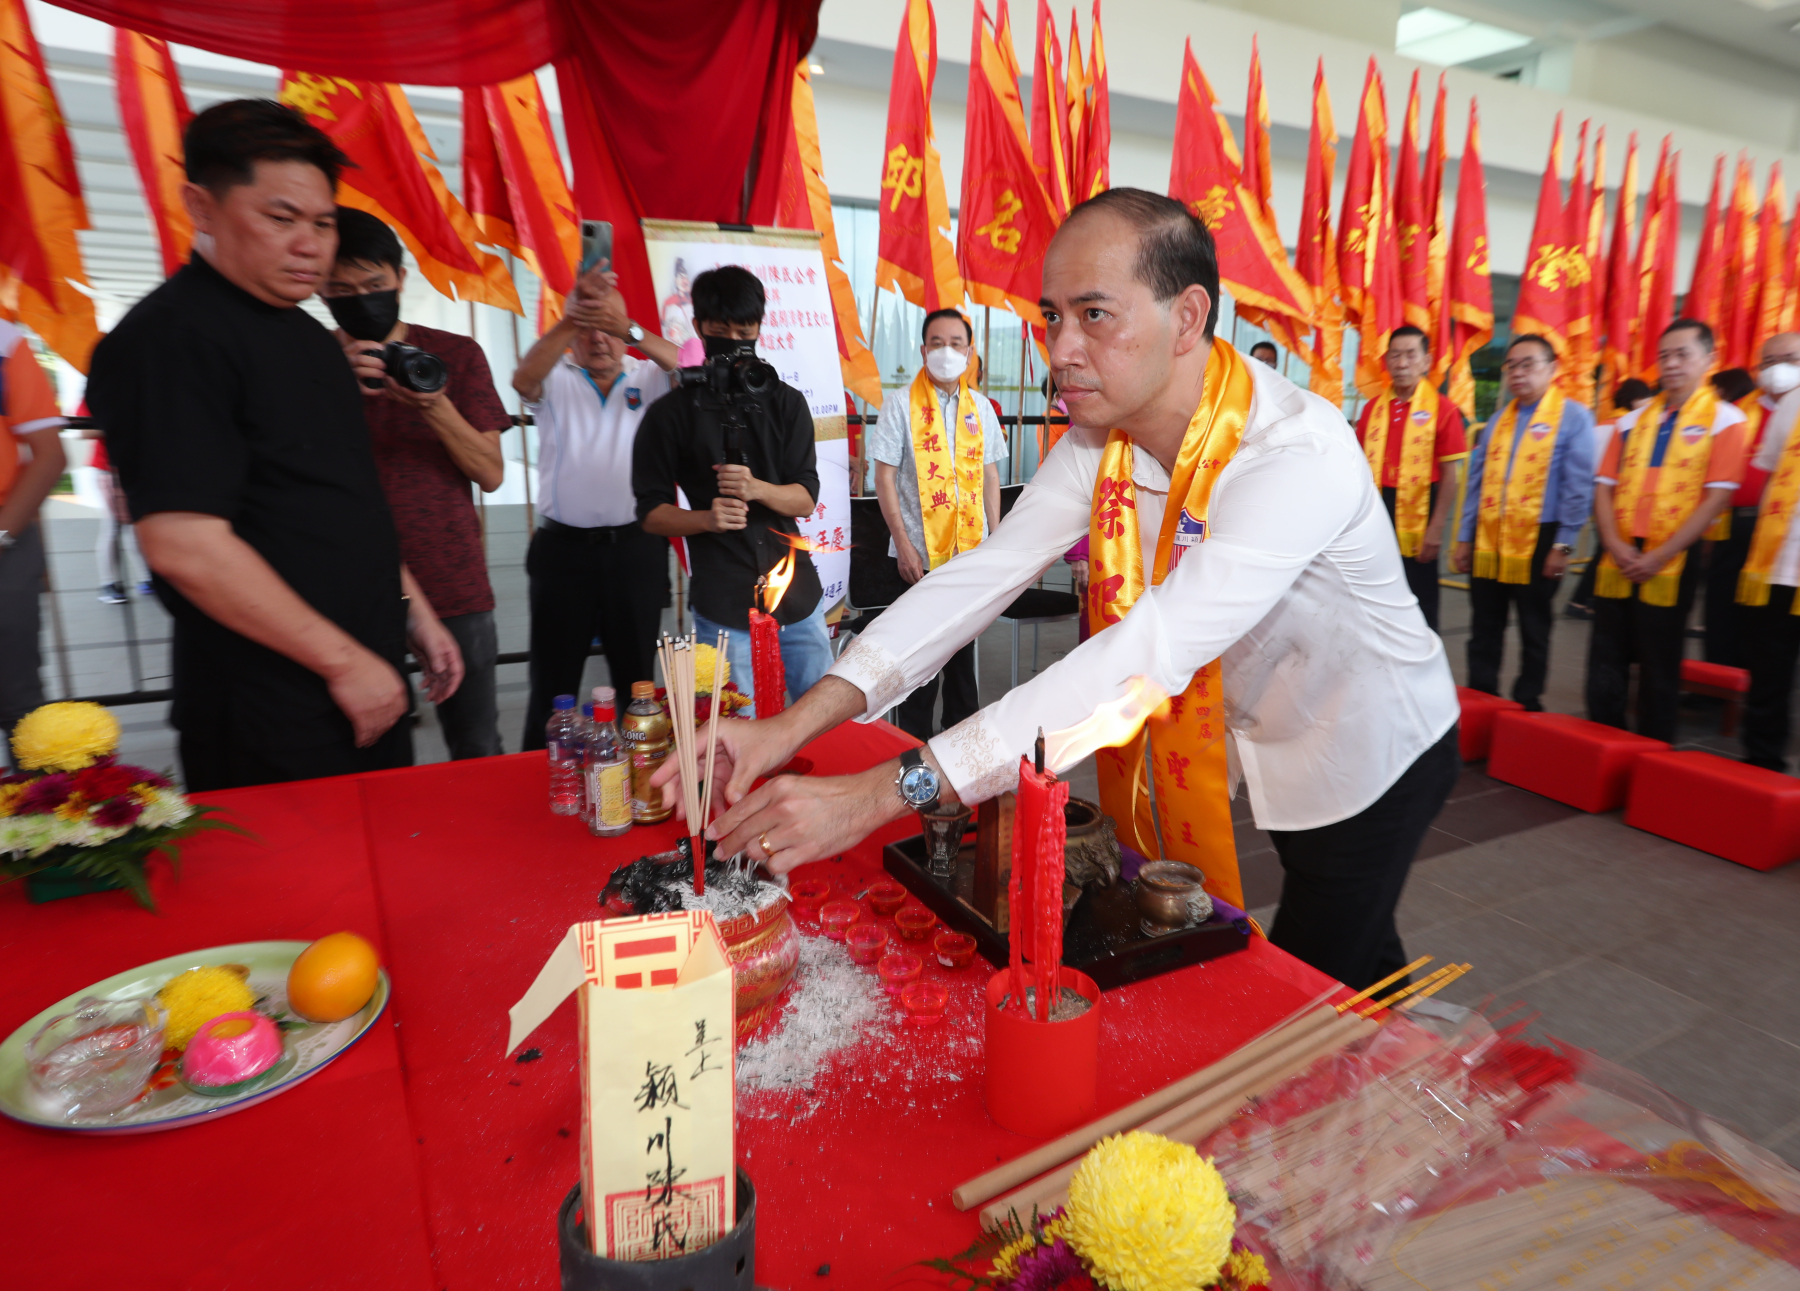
[
  {"x": 732, "y": 701},
  {"x": 74, "y": 806},
  {"x": 1144, "y": 1214}
]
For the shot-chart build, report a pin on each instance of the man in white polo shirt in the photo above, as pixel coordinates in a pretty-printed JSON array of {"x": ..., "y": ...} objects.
[{"x": 593, "y": 570}]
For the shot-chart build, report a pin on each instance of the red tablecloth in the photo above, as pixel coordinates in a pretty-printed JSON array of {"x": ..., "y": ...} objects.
[{"x": 473, "y": 883}]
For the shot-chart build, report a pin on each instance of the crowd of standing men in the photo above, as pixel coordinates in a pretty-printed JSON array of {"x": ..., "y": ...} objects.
[{"x": 1693, "y": 482}]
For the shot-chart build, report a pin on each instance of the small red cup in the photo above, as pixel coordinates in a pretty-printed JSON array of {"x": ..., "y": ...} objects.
[
  {"x": 924, "y": 1003},
  {"x": 899, "y": 970},
  {"x": 886, "y": 896},
  {"x": 835, "y": 917},
  {"x": 914, "y": 921},
  {"x": 954, "y": 949},
  {"x": 867, "y": 942},
  {"x": 808, "y": 895}
]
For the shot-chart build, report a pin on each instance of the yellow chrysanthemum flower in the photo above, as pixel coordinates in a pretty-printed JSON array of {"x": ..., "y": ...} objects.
[
  {"x": 199, "y": 995},
  {"x": 10, "y": 794},
  {"x": 1006, "y": 1263},
  {"x": 1148, "y": 1214},
  {"x": 64, "y": 737},
  {"x": 704, "y": 658},
  {"x": 1247, "y": 1269}
]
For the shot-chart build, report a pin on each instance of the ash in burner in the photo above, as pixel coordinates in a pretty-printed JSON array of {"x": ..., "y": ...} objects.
[{"x": 664, "y": 884}]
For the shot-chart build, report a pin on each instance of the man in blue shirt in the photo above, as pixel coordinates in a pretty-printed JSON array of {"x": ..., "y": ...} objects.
[{"x": 1530, "y": 370}]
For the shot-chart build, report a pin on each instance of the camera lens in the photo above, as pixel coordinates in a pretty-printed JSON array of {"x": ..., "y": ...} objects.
[
  {"x": 416, "y": 370},
  {"x": 754, "y": 376}
]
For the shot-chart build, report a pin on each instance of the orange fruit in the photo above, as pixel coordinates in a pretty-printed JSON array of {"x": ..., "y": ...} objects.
[{"x": 333, "y": 978}]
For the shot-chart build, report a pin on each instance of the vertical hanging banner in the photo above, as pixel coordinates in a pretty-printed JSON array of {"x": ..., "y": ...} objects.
[{"x": 799, "y": 337}]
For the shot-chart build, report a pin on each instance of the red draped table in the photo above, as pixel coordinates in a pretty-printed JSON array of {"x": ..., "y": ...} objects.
[{"x": 426, "y": 1156}]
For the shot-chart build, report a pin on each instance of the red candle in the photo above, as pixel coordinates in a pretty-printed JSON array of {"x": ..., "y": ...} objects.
[
  {"x": 767, "y": 675},
  {"x": 1040, "y": 834}
]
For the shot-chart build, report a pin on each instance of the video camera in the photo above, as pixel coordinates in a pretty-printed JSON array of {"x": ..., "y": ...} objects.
[{"x": 412, "y": 368}]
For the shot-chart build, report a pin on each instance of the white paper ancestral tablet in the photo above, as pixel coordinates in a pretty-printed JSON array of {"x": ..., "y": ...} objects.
[
  {"x": 658, "y": 1074},
  {"x": 799, "y": 337}
]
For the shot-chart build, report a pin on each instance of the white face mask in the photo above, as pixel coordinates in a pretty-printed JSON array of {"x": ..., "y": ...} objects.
[
  {"x": 946, "y": 364},
  {"x": 1779, "y": 378}
]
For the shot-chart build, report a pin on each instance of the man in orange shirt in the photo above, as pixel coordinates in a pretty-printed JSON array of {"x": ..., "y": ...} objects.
[
  {"x": 31, "y": 461},
  {"x": 1669, "y": 472},
  {"x": 1408, "y": 434}
]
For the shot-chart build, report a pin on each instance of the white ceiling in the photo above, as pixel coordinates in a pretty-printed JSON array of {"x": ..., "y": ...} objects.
[{"x": 1762, "y": 29}]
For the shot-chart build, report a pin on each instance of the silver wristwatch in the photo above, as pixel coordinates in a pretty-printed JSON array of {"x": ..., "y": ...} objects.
[
  {"x": 633, "y": 332},
  {"x": 7, "y": 539}
]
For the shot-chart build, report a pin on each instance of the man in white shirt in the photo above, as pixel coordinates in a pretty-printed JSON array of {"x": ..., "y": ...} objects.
[
  {"x": 593, "y": 570},
  {"x": 1337, "y": 698},
  {"x": 1771, "y": 572},
  {"x": 942, "y": 432}
]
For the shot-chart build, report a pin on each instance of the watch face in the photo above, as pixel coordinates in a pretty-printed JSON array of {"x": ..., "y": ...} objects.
[{"x": 918, "y": 785}]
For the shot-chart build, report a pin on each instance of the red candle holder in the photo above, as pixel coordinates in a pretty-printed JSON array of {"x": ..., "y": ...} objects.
[
  {"x": 807, "y": 895},
  {"x": 954, "y": 949},
  {"x": 835, "y": 917},
  {"x": 899, "y": 970},
  {"x": 914, "y": 921},
  {"x": 886, "y": 896},
  {"x": 924, "y": 1003},
  {"x": 866, "y": 941},
  {"x": 1042, "y": 1077}
]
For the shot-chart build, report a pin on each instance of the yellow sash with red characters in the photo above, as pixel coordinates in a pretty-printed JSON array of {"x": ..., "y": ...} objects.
[
  {"x": 1779, "y": 498},
  {"x": 949, "y": 491},
  {"x": 1512, "y": 502},
  {"x": 1182, "y": 746},
  {"x": 1680, "y": 484},
  {"x": 1418, "y": 446}
]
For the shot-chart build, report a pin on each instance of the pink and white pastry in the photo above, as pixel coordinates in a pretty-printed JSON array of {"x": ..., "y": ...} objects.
[{"x": 232, "y": 1048}]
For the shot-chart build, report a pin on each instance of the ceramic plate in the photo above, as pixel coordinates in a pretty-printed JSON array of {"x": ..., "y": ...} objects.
[{"x": 311, "y": 1045}]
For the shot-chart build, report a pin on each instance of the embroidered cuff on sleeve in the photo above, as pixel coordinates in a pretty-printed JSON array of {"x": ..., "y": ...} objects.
[
  {"x": 976, "y": 760},
  {"x": 875, "y": 672}
]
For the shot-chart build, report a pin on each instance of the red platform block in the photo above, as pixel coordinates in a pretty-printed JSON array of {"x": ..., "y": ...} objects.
[
  {"x": 1475, "y": 730},
  {"x": 1697, "y": 674},
  {"x": 1743, "y": 813},
  {"x": 1584, "y": 764}
]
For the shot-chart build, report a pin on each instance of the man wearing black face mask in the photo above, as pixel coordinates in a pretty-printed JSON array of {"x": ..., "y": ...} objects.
[
  {"x": 428, "y": 448},
  {"x": 746, "y": 463}
]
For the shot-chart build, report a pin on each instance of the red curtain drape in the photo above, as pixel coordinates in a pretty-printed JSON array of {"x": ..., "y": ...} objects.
[{"x": 677, "y": 109}]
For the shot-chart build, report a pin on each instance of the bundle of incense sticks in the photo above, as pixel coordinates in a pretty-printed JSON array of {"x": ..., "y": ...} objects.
[
  {"x": 1195, "y": 1105},
  {"x": 677, "y": 657},
  {"x": 1582, "y": 1231}
]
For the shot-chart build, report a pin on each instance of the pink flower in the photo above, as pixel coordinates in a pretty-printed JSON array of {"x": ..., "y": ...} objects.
[{"x": 45, "y": 794}]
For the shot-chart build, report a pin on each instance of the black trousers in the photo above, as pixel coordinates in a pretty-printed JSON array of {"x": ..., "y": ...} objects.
[
  {"x": 1341, "y": 882},
  {"x": 611, "y": 583},
  {"x": 1727, "y": 622},
  {"x": 960, "y": 698},
  {"x": 216, "y": 758},
  {"x": 1421, "y": 575},
  {"x": 1490, "y": 602},
  {"x": 1626, "y": 632},
  {"x": 1772, "y": 635}
]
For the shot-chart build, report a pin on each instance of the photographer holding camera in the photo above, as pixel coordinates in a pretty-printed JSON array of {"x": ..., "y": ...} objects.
[
  {"x": 739, "y": 443},
  {"x": 435, "y": 422},
  {"x": 238, "y": 435}
]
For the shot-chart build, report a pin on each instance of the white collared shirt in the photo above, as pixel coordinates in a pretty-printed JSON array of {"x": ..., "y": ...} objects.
[
  {"x": 584, "y": 442},
  {"x": 1333, "y": 684},
  {"x": 892, "y": 443},
  {"x": 1780, "y": 416}
]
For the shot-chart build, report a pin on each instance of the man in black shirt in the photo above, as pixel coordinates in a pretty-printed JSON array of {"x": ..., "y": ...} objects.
[
  {"x": 238, "y": 433},
  {"x": 746, "y": 463}
]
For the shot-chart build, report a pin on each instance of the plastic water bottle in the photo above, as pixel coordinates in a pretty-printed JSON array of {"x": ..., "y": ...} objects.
[
  {"x": 562, "y": 742},
  {"x": 608, "y": 776},
  {"x": 586, "y": 734}
]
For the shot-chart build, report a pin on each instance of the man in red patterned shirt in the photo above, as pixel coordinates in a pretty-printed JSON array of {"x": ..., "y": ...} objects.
[{"x": 428, "y": 448}]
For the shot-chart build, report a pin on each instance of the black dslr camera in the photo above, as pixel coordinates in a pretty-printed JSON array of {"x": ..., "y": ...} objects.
[
  {"x": 739, "y": 372},
  {"x": 412, "y": 368}
]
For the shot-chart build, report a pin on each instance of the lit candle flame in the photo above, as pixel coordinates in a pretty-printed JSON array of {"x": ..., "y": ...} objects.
[
  {"x": 1112, "y": 724},
  {"x": 775, "y": 585}
]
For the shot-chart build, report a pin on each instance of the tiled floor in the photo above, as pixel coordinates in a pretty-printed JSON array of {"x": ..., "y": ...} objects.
[{"x": 1677, "y": 964}]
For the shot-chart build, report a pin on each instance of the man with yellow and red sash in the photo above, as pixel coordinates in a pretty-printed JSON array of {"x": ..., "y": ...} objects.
[
  {"x": 1408, "y": 435},
  {"x": 936, "y": 475},
  {"x": 1728, "y": 622},
  {"x": 1240, "y": 561},
  {"x": 1531, "y": 483},
  {"x": 1771, "y": 572},
  {"x": 1669, "y": 472}
]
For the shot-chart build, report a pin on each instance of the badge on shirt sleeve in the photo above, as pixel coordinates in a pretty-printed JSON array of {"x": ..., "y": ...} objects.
[
  {"x": 1189, "y": 532},
  {"x": 634, "y": 398}
]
